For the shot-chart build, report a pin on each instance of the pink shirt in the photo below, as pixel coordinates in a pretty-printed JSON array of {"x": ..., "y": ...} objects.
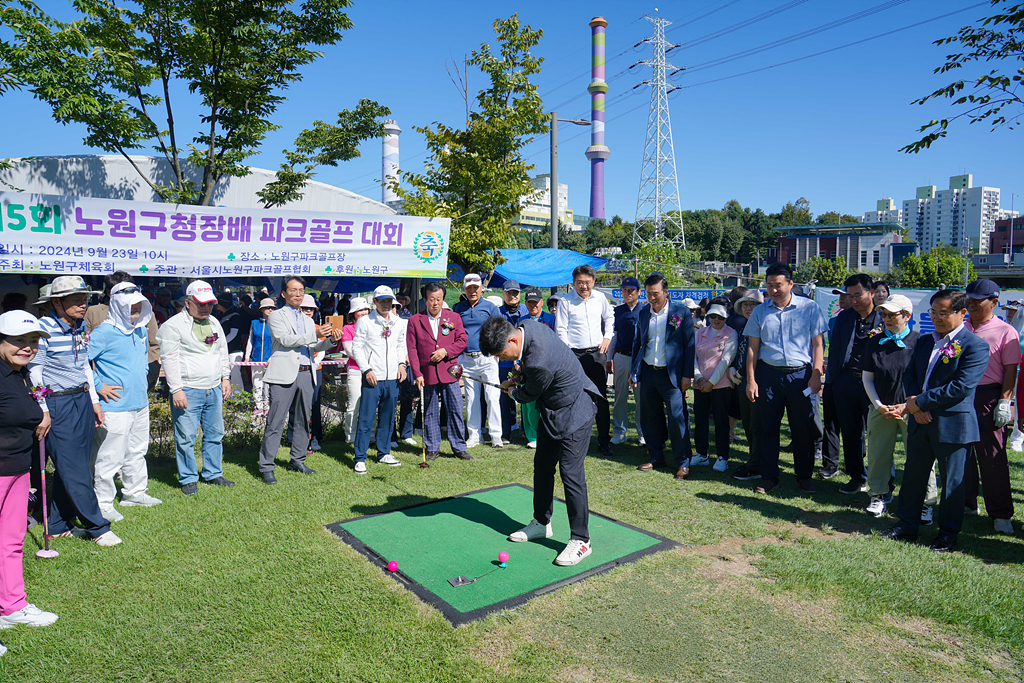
[
  {"x": 348, "y": 333},
  {"x": 712, "y": 346},
  {"x": 1003, "y": 347}
]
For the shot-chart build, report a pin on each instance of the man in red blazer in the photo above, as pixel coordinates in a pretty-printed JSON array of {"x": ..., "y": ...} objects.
[{"x": 435, "y": 339}]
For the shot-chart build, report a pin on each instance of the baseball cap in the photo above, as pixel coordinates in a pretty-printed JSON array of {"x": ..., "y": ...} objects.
[
  {"x": 512, "y": 286},
  {"x": 358, "y": 303},
  {"x": 201, "y": 291},
  {"x": 308, "y": 302},
  {"x": 268, "y": 303},
  {"x": 983, "y": 289},
  {"x": 534, "y": 295},
  {"x": 17, "y": 323},
  {"x": 472, "y": 279},
  {"x": 839, "y": 290},
  {"x": 225, "y": 299},
  {"x": 690, "y": 303},
  {"x": 66, "y": 285},
  {"x": 896, "y": 303},
  {"x": 631, "y": 282},
  {"x": 383, "y": 292}
]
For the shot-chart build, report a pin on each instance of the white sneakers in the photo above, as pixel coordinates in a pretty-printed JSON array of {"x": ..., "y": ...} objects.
[
  {"x": 107, "y": 540},
  {"x": 497, "y": 443},
  {"x": 531, "y": 531},
  {"x": 142, "y": 500},
  {"x": 643, "y": 442},
  {"x": 389, "y": 460},
  {"x": 110, "y": 514},
  {"x": 30, "y": 615},
  {"x": 618, "y": 438},
  {"x": 698, "y": 460},
  {"x": 531, "y": 444},
  {"x": 721, "y": 465},
  {"x": 360, "y": 467},
  {"x": 1003, "y": 526},
  {"x": 927, "y": 515},
  {"x": 472, "y": 442},
  {"x": 411, "y": 441},
  {"x": 877, "y": 506},
  {"x": 573, "y": 553}
]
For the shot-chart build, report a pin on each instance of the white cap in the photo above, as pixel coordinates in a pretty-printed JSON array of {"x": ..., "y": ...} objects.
[
  {"x": 383, "y": 292},
  {"x": 496, "y": 300},
  {"x": 358, "y": 303},
  {"x": 472, "y": 279},
  {"x": 201, "y": 292},
  {"x": 308, "y": 302},
  {"x": 718, "y": 309},
  {"x": 17, "y": 323},
  {"x": 134, "y": 295},
  {"x": 896, "y": 303},
  {"x": 690, "y": 303}
]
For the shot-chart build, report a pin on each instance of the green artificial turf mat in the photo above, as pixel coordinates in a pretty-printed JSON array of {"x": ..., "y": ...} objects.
[{"x": 462, "y": 536}]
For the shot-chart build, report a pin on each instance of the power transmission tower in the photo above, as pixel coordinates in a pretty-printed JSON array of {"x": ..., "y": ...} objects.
[{"x": 658, "y": 197}]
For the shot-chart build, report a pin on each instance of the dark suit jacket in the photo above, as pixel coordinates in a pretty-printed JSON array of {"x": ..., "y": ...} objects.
[
  {"x": 950, "y": 394},
  {"x": 840, "y": 340},
  {"x": 553, "y": 377},
  {"x": 681, "y": 346},
  {"x": 420, "y": 341}
]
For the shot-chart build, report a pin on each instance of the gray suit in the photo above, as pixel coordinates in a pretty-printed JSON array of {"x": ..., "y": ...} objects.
[{"x": 554, "y": 378}]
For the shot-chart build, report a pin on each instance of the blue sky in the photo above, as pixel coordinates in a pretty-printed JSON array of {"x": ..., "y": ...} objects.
[{"x": 826, "y": 128}]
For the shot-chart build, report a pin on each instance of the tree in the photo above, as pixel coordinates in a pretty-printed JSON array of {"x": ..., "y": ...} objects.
[
  {"x": 115, "y": 69},
  {"x": 477, "y": 175},
  {"x": 835, "y": 218},
  {"x": 760, "y": 234},
  {"x": 929, "y": 270},
  {"x": 795, "y": 213},
  {"x": 825, "y": 271},
  {"x": 997, "y": 38}
]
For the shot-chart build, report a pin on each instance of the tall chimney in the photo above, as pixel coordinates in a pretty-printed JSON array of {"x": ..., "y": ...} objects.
[
  {"x": 389, "y": 161},
  {"x": 597, "y": 152}
]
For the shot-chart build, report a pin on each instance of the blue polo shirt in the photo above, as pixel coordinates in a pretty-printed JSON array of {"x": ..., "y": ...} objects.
[
  {"x": 626, "y": 322},
  {"x": 514, "y": 316},
  {"x": 473, "y": 318},
  {"x": 121, "y": 360},
  {"x": 786, "y": 333}
]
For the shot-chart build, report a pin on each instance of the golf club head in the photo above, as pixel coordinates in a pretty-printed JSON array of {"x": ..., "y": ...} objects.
[
  {"x": 424, "y": 464},
  {"x": 456, "y": 371},
  {"x": 47, "y": 553}
]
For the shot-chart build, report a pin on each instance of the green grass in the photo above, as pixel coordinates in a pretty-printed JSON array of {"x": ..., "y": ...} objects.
[{"x": 245, "y": 584}]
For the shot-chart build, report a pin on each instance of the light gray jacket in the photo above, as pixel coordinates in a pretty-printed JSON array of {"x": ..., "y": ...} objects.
[{"x": 287, "y": 343}]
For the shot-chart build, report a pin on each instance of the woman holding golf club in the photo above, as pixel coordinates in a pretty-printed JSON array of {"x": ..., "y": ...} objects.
[{"x": 20, "y": 418}]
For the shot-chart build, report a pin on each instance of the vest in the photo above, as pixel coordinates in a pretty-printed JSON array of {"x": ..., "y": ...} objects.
[{"x": 261, "y": 346}]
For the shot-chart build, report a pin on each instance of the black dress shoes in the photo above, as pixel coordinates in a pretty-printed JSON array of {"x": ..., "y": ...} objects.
[
  {"x": 461, "y": 455},
  {"x": 300, "y": 467},
  {"x": 219, "y": 481},
  {"x": 432, "y": 455},
  {"x": 943, "y": 543},
  {"x": 900, "y": 532},
  {"x": 269, "y": 478}
]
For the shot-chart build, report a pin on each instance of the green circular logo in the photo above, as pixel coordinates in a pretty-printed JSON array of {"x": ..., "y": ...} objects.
[{"x": 428, "y": 246}]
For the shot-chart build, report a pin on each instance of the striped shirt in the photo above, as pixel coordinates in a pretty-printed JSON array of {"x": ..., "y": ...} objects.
[{"x": 62, "y": 362}]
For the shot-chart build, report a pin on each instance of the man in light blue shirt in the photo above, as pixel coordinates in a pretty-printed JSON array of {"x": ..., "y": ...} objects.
[{"x": 784, "y": 368}]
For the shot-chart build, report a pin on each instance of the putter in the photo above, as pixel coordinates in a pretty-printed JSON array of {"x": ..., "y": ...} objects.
[
  {"x": 458, "y": 372},
  {"x": 423, "y": 426},
  {"x": 463, "y": 581},
  {"x": 45, "y": 552}
]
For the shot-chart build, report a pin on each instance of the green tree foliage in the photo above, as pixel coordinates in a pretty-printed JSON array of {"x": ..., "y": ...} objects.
[
  {"x": 477, "y": 175},
  {"x": 795, "y": 214},
  {"x": 114, "y": 70},
  {"x": 825, "y": 271},
  {"x": 835, "y": 218},
  {"x": 994, "y": 97},
  {"x": 929, "y": 270}
]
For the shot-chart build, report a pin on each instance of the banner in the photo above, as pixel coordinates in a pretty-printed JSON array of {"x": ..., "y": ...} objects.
[
  {"x": 677, "y": 295},
  {"x": 56, "y": 235}
]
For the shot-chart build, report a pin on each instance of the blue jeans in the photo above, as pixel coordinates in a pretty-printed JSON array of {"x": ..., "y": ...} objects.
[
  {"x": 204, "y": 408},
  {"x": 380, "y": 398}
]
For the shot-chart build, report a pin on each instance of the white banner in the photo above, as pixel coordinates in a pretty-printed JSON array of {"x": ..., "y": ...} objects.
[{"x": 55, "y": 235}]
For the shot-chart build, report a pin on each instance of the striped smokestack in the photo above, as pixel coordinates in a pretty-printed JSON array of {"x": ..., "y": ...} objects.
[{"x": 597, "y": 152}]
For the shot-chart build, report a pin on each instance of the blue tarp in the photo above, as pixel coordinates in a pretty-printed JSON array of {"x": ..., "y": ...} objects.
[{"x": 541, "y": 267}]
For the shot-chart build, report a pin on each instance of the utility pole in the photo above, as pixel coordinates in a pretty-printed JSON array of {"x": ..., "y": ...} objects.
[{"x": 554, "y": 172}]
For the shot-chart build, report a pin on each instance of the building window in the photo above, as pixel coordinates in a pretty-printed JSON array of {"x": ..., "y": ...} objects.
[
  {"x": 875, "y": 257},
  {"x": 863, "y": 258},
  {"x": 792, "y": 258}
]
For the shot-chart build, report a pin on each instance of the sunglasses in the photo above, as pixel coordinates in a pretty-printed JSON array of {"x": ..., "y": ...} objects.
[
  {"x": 130, "y": 290},
  {"x": 715, "y": 317}
]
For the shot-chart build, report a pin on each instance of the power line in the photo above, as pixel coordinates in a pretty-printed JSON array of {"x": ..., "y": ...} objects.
[
  {"x": 740, "y": 25},
  {"x": 706, "y": 14}
]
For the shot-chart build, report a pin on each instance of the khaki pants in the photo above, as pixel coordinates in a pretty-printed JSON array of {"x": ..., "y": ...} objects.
[{"x": 881, "y": 445}]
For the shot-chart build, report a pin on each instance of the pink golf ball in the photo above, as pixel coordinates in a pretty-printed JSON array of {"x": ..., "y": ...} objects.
[
  {"x": 502, "y": 556},
  {"x": 392, "y": 566}
]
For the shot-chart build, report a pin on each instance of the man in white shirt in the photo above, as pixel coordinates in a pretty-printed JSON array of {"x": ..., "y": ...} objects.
[
  {"x": 474, "y": 311},
  {"x": 379, "y": 348},
  {"x": 584, "y": 321},
  {"x": 291, "y": 377},
  {"x": 194, "y": 355}
]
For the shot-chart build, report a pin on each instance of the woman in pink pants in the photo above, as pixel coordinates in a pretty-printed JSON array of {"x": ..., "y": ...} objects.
[{"x": 20, "y": 419}]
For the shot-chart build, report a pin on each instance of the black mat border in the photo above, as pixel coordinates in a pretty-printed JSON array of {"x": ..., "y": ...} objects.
[{"x": 454, "y": 616}]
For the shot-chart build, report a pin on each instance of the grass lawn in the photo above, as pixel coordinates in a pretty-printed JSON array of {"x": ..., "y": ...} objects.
[{"x": 245, "y": 584}]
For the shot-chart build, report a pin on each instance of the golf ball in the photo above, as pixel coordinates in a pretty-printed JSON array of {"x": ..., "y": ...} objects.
[
  {"x": 392, "y": 566},
  {"x": 502, "y": 556}
]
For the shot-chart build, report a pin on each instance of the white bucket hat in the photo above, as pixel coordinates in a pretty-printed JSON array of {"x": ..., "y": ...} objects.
[{"x": 358, "y": 303}]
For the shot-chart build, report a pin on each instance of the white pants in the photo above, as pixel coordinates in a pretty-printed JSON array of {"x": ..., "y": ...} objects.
[
  {"x": 620, "y": 413},
  {"x": 120, "y": 445},
  {"x": 260, "y": 395},
  {"x": 354, "y": 384},
  {"x": 486, "y": 368},
  {"x": 236, "y": 372}
]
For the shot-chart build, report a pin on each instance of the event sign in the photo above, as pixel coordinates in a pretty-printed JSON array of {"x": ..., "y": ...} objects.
[
  {"x": 676, "y": 295},
  {"x": 55, "y": 235},
  {"x": 919, "y": 298}
]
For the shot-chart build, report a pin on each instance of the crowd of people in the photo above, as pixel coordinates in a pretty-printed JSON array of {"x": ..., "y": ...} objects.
[{"x": 77, "y": 380}]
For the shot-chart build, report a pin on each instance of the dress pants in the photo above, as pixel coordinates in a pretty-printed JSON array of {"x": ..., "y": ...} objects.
[
  {"x": 830, "y": 440},
  {"x": 568, "y": 455},
  {"x": 13, "y": 524},
  {"x": 748, "y": 416},
  {"x": 594, "y": 368},
  {"x": 657, "y": 394},
  {"x": 433, "y": 396},
  {"x": 69, "y": 446},
  {"x": 620, "y": 412},
  {"x": 381, "y": 398},
  {"x": 484, "y": 368},
  {"x": 295, "y": 399},
  {"x": 851, "y": 404},
  {"x": 782, "y": 390},
  {"x": 707, "y": 406},
  {"x": 121, "y": 445},
  {"x": 923, "y": 449},
  {"x": 989, "y": 455}
]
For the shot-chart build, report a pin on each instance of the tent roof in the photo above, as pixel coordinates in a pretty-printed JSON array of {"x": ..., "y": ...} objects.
[{"x": 542, "y": 267}]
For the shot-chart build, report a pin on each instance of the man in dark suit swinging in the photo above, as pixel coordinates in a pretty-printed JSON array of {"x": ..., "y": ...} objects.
[
  {"x": 940, "y": 380},
  {"x": 553, "y": 377}
]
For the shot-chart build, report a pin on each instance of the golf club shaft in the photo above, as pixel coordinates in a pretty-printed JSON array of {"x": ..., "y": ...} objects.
[
  {"x": 423, "y": 427},
  {"x": 481, "y": 381},
  {"x": 42, "y": 488}
]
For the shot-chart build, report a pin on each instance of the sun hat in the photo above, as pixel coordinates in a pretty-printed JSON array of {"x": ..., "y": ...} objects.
[
  {"x": 268, "y": 303},
  {"x": 66, "y": 285},
  {"x": 719, "y": 310},
  {"x": 201, "y": 292},
  {"x": 17, "y": 323},
  {"x": 752, "y": 295},
  {"x": 308, "y": 302},
  {"x": 44, "y": 295},
  {"x": 358, "y": 303}
]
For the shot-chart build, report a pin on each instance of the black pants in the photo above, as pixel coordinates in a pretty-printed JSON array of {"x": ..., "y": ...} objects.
[
  {"x": 749, "y": 418},
  {"x": 851, "y": 402},
  {"x": 568, "y": 454},
  {"x": 506, "y": 406},
  {"x": 707, "y": 406},
  {"x": 780, "y": 391},
  {"x": 830, "y": 441},
  {"x": 595, "y": 368},
  {"x": 923, "y": 449}
]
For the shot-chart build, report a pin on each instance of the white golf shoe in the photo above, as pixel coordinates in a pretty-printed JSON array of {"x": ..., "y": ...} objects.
[
  {"x": 360, "y": 467},
  {"x": 30, "y": 615},
  {"x": 573, "y": 553},
  {"x": 531, "y": 531},
  {"x": 142, "y": 500},
  {"x": 389, "y": 460}
]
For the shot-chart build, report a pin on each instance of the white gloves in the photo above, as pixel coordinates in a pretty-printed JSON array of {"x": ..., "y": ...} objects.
[
  {"x": 733, "y": 376},
  {"x": 1003, "y": 414}
]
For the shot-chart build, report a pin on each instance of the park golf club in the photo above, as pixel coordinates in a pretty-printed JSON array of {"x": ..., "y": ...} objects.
[
  {"x": 458, "y": 372},
  {"x": 46, "y": 551}
]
